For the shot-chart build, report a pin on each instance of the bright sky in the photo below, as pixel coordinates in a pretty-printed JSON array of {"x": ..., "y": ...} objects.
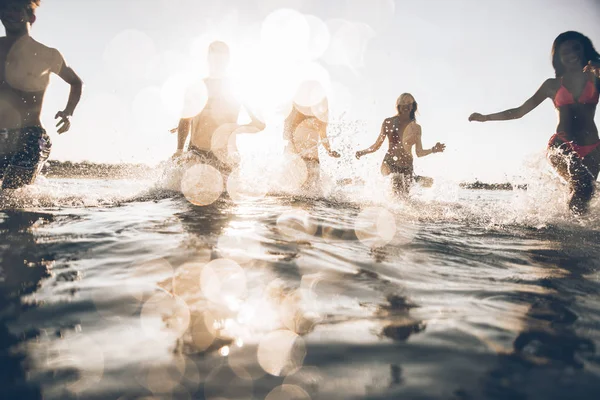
[{"x": 455, "y": 57}]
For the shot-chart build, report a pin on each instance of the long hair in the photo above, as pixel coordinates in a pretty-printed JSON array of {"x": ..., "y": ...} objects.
[
  {"x": 589, "y": 52},
  {"x": 413, "y": 111}
]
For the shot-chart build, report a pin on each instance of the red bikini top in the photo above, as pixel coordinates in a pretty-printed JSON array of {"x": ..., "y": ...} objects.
[{"x": 589, "y": 95}]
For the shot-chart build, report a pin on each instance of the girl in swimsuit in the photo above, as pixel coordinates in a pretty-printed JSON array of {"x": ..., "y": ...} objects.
[
  {"x": 574, "y": 150},
  {"x": 402, "y": 132}
]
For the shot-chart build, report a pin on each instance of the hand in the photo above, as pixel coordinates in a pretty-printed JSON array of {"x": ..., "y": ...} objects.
[
  {"x": 334, "y": 154},
  {"x": 477, "y": 117},
  {"x": 593, "y": 67},
  {"x": 64, "y": 124},
  {"x": 438, "y": 148},
  {"x": 359, "y": 154}
]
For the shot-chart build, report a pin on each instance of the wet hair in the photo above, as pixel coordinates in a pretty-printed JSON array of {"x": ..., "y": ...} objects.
[
  {"x": 589, "y": 52},
  {"x": 218, "y": 47},
  {"x": 414, "y": 108},
  {"x": 28, "y": 5}
]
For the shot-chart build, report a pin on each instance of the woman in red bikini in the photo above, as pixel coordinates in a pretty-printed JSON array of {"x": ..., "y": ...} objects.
[{"x": 574, "y": 150}]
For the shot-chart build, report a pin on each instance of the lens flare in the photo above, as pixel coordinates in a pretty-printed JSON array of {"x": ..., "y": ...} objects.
[
  {"x": 182, "y": 97},
  {"x": 223, "y": 144},
  {"x": 202, "y": 184},
  {"x": 306, "y": 137},
  {"x": 377, "y": 14},
  {"x": 348, "y": 45},
  {"x": 239, "y": 248},
  {"x": 310, "y": 93},
  {"x": 186, "y": 281},
  {"x": 375, "y": 227},
  {"x": 288, "y": 392},
  {"x": 308, "y": 378},
  {"x": 196, "y": 96},
  {"x": 223, "y": 383},
  {"x": 165, "y": 316},
  {"x": 203, "y": 330},
  {"x": 148, "y": 112},
  {"x": 244, "y": 359},
  {"x": 130, "y": 55},
  {"x": 281, "y": 353},
  {"x": 293, "y": 315},
  {"x": 243, "y": 188},
  {"x": 319, "y": 37},
  {"x": 223, "y": 281},
  {"x": 286, "y": 32},
  {"x": 164, "y": 378}
]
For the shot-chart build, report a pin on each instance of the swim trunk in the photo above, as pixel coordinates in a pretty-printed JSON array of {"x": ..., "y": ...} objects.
[
  {"x": 391, "y": 166},
  {"x": 23, "y": 153},
  {"x": 210, "y": 158}
]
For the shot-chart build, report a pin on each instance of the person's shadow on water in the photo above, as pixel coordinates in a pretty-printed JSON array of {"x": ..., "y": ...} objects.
[{"x": 23, "y": 265}]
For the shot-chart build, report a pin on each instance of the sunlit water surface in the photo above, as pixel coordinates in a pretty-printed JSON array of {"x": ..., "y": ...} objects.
[{"x": 121, "y": 290}]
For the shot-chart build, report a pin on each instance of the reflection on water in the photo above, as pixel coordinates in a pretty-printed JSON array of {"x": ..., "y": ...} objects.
[
  {"x": 23, "y": 265},
  {"x": 294, "y": 298}
]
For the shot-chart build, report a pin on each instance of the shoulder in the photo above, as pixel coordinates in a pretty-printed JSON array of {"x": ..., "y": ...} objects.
[
  {"x": 551, "y": 84},
  {"x": 414, "y": 128},
  {"x": 43, "y": 48},
  {"x": 53, "y": 57}
]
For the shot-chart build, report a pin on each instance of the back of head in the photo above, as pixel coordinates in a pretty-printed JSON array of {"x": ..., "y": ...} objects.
[
  {"x": 218, "y": 58},
  {"x": 29, "y": 5},
  {"x": 218, "y": 47},
  {"x": 589, "y": 52}
]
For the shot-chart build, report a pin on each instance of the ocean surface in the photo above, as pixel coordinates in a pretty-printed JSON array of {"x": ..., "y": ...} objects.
[{"x": 125, "y": 289}]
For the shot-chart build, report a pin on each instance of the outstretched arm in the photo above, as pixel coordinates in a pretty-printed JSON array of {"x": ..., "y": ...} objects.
[
  {"x": 376, "y": 145},
  {"x": 68, "y": 75},
  {"x": 438, "y": 148},
  {"x": 516, "y": 113}
]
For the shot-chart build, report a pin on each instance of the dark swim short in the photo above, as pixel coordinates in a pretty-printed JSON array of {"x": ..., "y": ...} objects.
[
  {"x": 210, "y": 158},
  {"x": 391, "y": 166},
  {"x": 23, "y": 153}
]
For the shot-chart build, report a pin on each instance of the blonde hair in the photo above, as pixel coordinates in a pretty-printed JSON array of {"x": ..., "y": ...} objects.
[{"x": 411, "y": 99}]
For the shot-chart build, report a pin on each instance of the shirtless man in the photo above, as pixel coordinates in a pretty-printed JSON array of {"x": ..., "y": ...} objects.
[
  {"x": 304, "y": 129},
  {"x": 25, "y": 68},
  {"x": 219, "y": 116}
]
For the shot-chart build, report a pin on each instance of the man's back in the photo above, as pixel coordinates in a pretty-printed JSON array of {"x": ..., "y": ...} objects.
[
  {"x": 25, "y": 68},
  {"x": 221, "y": 108},
  {"x": 303, "y": 131}
]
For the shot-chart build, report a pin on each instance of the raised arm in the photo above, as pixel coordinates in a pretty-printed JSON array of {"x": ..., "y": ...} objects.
[
  {"x": 516, "y": 113},
  {"x": 67, "y": 74},
  {"x": 376, "y": 145},
  {"x": 420, "y": 152}
]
